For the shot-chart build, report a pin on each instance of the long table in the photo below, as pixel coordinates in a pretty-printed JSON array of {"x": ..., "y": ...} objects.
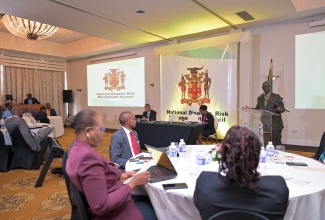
[
  {"x": 22, "y": 107},
  {"x": 161, "y": 134}
]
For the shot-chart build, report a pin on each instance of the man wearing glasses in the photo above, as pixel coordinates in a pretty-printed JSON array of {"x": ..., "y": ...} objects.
[
  {"x": 124, "y": 142},
  {"x": 271, "y": 102}
]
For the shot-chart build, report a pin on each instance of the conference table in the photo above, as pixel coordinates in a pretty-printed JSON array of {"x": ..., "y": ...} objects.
[
  {"x": 306, "y": 188},
  {"x": 160, "y": 133}
]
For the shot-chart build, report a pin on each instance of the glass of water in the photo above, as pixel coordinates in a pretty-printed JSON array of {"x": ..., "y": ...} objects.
[
  {"x": 279, "y": 153},
  {"x": 192, "y": 163}
]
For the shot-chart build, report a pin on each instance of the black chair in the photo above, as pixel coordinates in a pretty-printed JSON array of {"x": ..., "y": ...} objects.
[
  {"x": 237, "y": 215},
  {"x": 320, "y": 149},
  {"x": 24, "y": 157},
  {"x": 80, "y": 202},
  {"x": 75, "y": 213},
  {"x": 8, "y": 98},
  {"x": 5, "y": 154}
]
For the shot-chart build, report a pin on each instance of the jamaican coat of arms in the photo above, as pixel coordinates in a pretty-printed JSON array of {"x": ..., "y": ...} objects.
[
  {"x": 114, "y": 79},
  {"x": 192, "y": 86}
]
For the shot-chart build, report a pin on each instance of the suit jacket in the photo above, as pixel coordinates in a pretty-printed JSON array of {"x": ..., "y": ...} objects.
[
  {"x": 212, "y": 196},
  {"x": 209, "y": 129},
  {"x": 120, "y": 150},
  {"x": 98, "y": 179},
  {"x": 52, "y": 112},
  {"x": 34, "y": 101},
  {"x": 152, "y": 115},
  {"x": 277, "y": 123},
  {"x": 42, "y": 116},
  {"x": 14, "y": 122}
]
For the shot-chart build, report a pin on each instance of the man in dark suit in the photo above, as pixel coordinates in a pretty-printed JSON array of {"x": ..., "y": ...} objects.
[
  {"x": 149, "y": 114},
  {"x": 33, "y": 141},
  {"x": 273, "y": 103},
  {"x": 31, "y": 100},
  {"x": 207, "y": 117},
  {"x": 123, "y": 145},
  {"x": 42, "y": 116},
  {"x": 50, "y": 111}
]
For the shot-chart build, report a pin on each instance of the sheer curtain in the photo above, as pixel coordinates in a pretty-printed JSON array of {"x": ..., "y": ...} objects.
[{"x": 45, "y": 85}]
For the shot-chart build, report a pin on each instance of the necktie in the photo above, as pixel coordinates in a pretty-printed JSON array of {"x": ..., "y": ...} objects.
[
  {"x": 203, "y": 120},
  {"x": 134, "y": 144},
  {"x": 48, "y": 112}
]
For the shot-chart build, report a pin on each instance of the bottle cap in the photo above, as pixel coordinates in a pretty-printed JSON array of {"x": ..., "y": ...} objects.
[
  {"x": 270, "y": 142},
  {"x": 182, "y": 140}
]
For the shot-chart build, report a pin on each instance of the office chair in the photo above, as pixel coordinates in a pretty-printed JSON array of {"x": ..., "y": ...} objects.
[
  {"x": 321, "y": 148},
  {"x": 8, "y": 98},
  {"x": 237, "y": 215},
  {"x": 5, "y": 154}
]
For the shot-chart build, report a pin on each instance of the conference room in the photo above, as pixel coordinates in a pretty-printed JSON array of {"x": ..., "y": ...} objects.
[{"x": 174, "y": 55}]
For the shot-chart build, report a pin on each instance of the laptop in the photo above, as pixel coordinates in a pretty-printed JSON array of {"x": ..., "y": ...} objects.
[
  {"x": 138, "y": 116},
  {"x": 164, "y": 168}
]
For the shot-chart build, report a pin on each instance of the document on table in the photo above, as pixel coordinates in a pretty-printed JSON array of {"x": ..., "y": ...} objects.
[{"x": 144, "y": 168}]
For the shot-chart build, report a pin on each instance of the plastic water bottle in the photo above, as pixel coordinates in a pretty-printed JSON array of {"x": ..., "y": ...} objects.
[
  {"x": 182, "y": 149},
  {"x": 262, "y": 159},
  {"x": 34, "y": 122},
  {"x": 3, "y": 123},
  {"x": 173, "y": 151},
  {"x": 200, "y": 158},
  {"x": 270, "y": 152}
]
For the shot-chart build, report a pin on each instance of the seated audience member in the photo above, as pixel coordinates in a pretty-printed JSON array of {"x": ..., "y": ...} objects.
[
  {"x": 7, "y": 113},
  {"x": 238, "y": 185},
  {"x": 149, "y": 114},
  {"x": 42, "y": 116},
  {"x": 31, "y": 100},
  {"x": 33, "y": 141},
  {"x": 29, "y": 111},
  {"x": 50, "y": 111},
  {"x": 124, "y": 142},
  {"x": 207, "y": 117},
  {"x": 98, "y": 179}
]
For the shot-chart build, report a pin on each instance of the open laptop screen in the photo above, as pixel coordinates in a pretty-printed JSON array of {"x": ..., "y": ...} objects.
[{"x": 161, "y": 158}]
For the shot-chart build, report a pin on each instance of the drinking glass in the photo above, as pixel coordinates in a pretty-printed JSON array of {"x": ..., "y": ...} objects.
[
  {"x": 279, "y": 152},
  {"x": 192, "y": 163}
]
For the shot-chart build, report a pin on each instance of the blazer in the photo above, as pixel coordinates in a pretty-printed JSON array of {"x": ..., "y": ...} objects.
[
  {"x": 212, "y": 196},
  {"x": 34, "y": 101},
  {"x": 14, "y": 122},
  {"x": 120, "y": 149},
  {"x": 277, "y": 123},
  {"x": 152, "y": 115},
  {"x": 209, "y": 129},
  {"x": 53, "y": 112},
  {"x": 42, "y": 116},
  {"x": 98, "y": 180}
]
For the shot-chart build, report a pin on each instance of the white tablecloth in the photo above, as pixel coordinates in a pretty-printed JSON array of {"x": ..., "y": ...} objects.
[
  {"x": 306, "y": 189},
  {"x": 58, "y": 129},
  {"x": 6, "y": 136},
  {"x": 35, "y": 128}
]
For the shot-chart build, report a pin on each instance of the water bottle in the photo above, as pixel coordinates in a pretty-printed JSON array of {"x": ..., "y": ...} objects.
[
  {"x": 200, "y": 158},
  {"x": 182, "y": 149},
  {"x": 270, "y": 152},
  {"x": 262, "y": 159},
  {"x": 173, "y": 151},
  {"x": 3, "y": 123},
  {"x": 246, "y": 125},
  {"x": 34, "y": 122}
]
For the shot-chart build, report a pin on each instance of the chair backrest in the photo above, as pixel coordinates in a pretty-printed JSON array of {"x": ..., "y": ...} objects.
[
  {"x": 173, "y": 118},
  {"x": 237, "y": 215},
  {"x": 193, "y": 117},
  {"x": 80, "y": 202},
  {"x": 9, "y": 97},
  {"x": 321, "y": 148},
  {"x": 5, "y": 154}
]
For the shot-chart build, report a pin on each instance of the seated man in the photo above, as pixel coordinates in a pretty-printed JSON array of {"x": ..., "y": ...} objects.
[
  {"x": 149, "y": 114},
  {"x": 31, "y": 100},
  {"x": 42, "y": 116},
  {"x": 124, "y": 142},
  {"x": 33, "y": 141},
  {"x": 207, "y": 117},
  {"x": 50, "y": 111},
  {"x": 29, "y": 111},
  {"x": 7, "y": 113}
]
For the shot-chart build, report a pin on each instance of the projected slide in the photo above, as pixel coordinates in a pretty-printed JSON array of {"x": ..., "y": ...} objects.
[
  {"x": 310, "y": 71},
  {"x": 118, "y": 83}
]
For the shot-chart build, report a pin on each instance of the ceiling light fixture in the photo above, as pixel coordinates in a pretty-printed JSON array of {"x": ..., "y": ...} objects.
[{"x": 33, "y": 30}]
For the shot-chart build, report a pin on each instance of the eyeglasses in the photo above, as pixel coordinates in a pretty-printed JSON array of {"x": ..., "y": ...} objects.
[
  {"x": 265, "y": 86},
  {"x": 102, "y": 129}
]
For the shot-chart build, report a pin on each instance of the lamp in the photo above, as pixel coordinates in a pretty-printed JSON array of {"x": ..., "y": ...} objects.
[{"x": 33, "y": 30}]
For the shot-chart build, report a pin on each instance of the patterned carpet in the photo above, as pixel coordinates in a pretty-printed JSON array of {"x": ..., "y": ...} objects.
[{"x": 20, "y": 200}]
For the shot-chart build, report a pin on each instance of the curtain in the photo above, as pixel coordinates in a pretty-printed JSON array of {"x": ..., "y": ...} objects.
[{"x": 45, "y": 85}]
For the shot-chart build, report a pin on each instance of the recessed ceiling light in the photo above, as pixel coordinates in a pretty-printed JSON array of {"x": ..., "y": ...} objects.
[{"x": 140, "y": 12}]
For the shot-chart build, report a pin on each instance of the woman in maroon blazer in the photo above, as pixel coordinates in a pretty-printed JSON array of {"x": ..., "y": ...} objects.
[
  {"x": 238, "y": 185},
  {"x": 98, "y": 178}
]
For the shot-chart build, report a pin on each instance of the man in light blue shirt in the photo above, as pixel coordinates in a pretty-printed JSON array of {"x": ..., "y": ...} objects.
[{"x": 7, "y": 113}]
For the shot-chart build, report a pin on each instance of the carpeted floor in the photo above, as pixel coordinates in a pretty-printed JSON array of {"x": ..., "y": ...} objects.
[{"x": 20, "y": 200}]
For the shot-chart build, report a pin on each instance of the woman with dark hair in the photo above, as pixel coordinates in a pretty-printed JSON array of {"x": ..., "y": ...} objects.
[
  {"x": 238, "y": 185},
  {"x": 98, "y": 179}
]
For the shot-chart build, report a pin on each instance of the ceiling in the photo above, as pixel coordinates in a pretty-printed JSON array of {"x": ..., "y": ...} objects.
[{"x": 162, "y": 20}]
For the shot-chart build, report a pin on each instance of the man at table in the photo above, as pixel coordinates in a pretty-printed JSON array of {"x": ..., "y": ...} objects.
[
  {"x": 29, "y": 111},
  {"x": 42, "y": 116},
  {"x": 7, "y": 113},
  {"x": 31, "y": 100},
  {"x": 50, "y": 111},
  {"x": 149, "y": 114},
  {"x": 207, "y": 117},
  {"x": 124, "y": 142},
  {"x": 33, "y": 141}
]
